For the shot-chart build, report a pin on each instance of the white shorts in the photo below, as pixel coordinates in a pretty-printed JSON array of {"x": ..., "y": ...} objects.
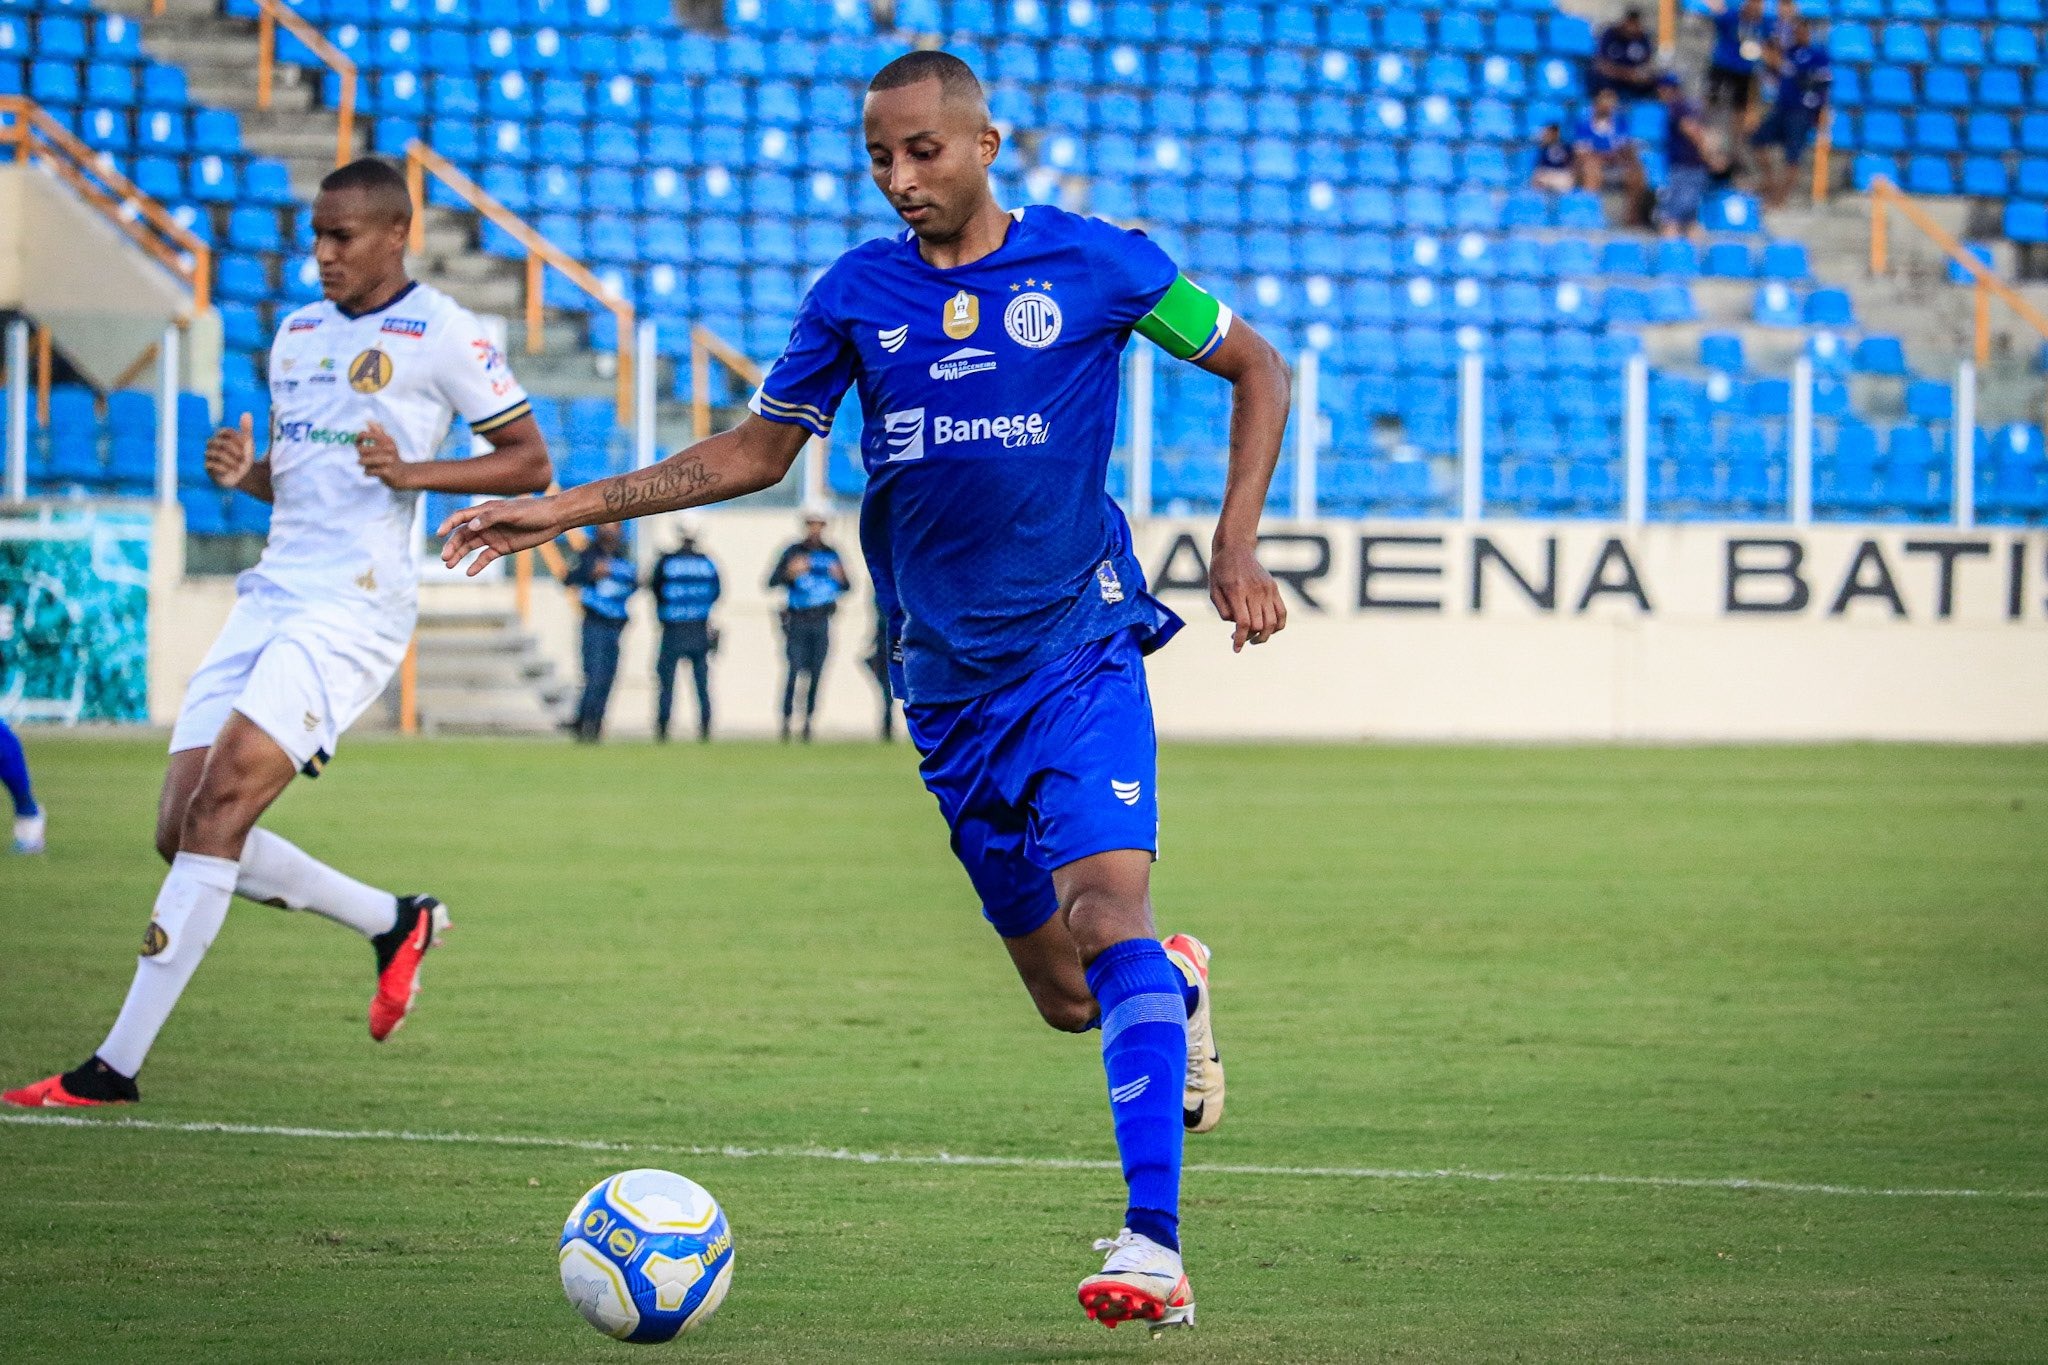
[{"x": 301, "y": 675}]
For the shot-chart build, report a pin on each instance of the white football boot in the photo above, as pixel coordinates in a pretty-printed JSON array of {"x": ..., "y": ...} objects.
[
  {"x": 1141, "y": 1281},
  {"x": 1201, "y": 1105},
  {"x": 28, "y": 833}
]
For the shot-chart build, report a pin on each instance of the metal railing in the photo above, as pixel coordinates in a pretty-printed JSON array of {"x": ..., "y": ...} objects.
[
  {"x": 540, "y": 254},
  {"x": 40, "y": 140},
  {"x": 1884, "y": 196},
  {"x": 271, "y": 13}
]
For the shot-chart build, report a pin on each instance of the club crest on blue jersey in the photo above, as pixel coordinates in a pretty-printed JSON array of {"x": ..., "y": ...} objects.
[
  {"x": 1033, "y": 320},
  {"x": 1107, "y": 583}
]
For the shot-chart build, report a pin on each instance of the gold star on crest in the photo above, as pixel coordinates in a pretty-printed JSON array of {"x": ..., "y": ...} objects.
[{"x": 1015, "y": 287}]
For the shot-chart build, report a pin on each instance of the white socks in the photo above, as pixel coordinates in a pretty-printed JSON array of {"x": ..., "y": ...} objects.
[
  {"x": 276, "y": 871},
  {"x": 189, "y": 910}
]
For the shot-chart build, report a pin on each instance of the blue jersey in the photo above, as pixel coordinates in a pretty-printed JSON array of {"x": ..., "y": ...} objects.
[
  {"x": 685, "y": 587},
  {"x": 606, "y": 588},
  {"x": 1803, "y": 83},
  {"x": 988, "y": 394},
  {"x": 1738, "y": 41},
  {"x": 817, "y": 586}
]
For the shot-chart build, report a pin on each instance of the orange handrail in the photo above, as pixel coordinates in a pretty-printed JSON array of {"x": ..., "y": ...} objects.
[
  {"x": 271, "y": 13},
  {"x": 1667, "y": 27},
  {"x": 1885, "y": 195},
  {"x": 40, "y": 139},
  {"x": 540, "y": 252},
  {"x": 706, "y": 346}
]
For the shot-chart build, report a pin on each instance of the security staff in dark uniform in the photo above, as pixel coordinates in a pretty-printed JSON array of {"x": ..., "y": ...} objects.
[
  {"x": 816, "y": 578},
  {"x": 685, "y": 586},
  {"x": 605, "y": 573}
]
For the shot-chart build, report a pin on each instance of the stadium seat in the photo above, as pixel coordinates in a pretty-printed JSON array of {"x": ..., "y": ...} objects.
[
  {"x": 1877, "y": 354},
  {"x": 1776, "y": 306}
]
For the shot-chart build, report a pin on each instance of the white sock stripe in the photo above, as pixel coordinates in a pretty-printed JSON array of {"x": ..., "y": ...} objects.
[
  {"x": 1039, "y": 1163},
  {"x": 1154, "y": 1007},
  {"x": 1130, "y": 1090}
]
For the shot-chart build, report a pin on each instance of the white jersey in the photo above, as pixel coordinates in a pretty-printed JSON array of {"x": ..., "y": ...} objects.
[{"x": 339, "y": 539}]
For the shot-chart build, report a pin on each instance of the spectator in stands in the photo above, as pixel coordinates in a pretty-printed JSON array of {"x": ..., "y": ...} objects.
[
  {"x": 1740, "y": 32},
  {"x": 812, "y": 572},
  {"x": 605, "y": 573},
  {"x": 1805, "y": 73},
  {"x": 1691, "y": 158},
  {"x": 686, "y": 587},
  {"x": 1625, "y": 61},
  {"x": 1555, "y": 167},
  {"x": 1603, "y": 151}
]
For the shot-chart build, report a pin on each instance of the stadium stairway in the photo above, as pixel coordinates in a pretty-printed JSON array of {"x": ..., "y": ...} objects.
[
  {"x": 479, "y": 671},
  {"x": 219, "y": 56}
]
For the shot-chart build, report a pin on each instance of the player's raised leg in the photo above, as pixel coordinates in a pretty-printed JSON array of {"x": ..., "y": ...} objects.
[
  {"x": 1103, "y": 899},
  {"x": 28, "y": 816},
  {"x": 276, "y": 872}
]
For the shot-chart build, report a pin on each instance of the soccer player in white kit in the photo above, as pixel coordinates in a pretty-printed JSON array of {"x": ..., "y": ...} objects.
[{"x": 363, "y": 385}]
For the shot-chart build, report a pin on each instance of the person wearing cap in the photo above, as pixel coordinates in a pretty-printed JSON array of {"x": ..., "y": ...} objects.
[
  {"x": 685, "y": 586},
  {"x": 815, "y": 578},
  {"x": 1625, "y": 61}
]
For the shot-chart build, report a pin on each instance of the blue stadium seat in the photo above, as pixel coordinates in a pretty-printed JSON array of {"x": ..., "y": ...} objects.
[
  {"x": 1776, "y": 306},
  {"x": 2013, "y": 45},
  {"x": 1946, "y": 87},
  {"x": 1936, "y": 132},
  {"x": 1930, "y": 175},
  {"x": 1879, "y": 354},
  {"x": 1830, "y": 308},
  {"x": 1906, "y": 43},
  {"x": 1990, "y": 133},
  {"x": 1986, "y": 177},
  {"x": 1960, "y": 44},
  {"x": 1930, "y": 400},
  {"x": 1784, "y": 260},
  {"x": 1722, "y": 351},
  {"x": 2000, "y": 87},
  {"x": 1729, "y": 260},
  {"x": 2026, "y": 222}
]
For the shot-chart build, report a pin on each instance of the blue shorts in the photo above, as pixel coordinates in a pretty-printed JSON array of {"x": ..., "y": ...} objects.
[
  {"x": 1056, "y": 766},
  {"x": 1787, "y": 126}
]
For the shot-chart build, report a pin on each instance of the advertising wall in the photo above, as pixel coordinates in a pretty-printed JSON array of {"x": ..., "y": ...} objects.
[
  {"x": 1430, "y": 630},
  {"x": 74, "y": 614}
]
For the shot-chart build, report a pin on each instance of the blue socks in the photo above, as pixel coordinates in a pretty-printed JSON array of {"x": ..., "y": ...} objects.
[
  {"x": 14, "y": 773},
  {"x": 1145, "y": 1053}
]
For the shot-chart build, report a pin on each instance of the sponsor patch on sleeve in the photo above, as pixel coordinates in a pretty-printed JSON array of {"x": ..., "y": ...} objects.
[{"x": 405, "y": 327}]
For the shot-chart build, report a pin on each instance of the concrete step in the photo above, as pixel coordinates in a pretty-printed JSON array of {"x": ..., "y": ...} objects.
[
  {"x": 465, "y": 714},
  {"x": 503, "y": 640}
]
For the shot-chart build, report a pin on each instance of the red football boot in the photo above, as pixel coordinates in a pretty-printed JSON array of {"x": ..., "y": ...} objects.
[{"x": 400, "y": 950}]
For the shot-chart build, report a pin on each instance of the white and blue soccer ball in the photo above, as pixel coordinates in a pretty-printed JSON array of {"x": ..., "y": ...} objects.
[{"x": 646, "y": 1256}]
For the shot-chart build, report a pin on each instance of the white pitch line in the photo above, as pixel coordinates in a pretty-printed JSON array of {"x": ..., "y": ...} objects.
[{"x": 1036, "y": 1163}]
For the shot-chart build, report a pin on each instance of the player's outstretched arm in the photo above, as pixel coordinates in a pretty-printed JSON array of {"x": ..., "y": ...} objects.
[
  {"x": 231, "y": 460},
  {"x": 754, "y": 455},
  {"x": 1244, "y": 593}
]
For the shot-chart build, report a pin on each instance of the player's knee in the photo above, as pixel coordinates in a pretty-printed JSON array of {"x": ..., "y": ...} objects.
[
  {"x": 224, "y": 808},
  {"x": 1099, "y": 917},
  {"x": 1066, "y": 1014}
]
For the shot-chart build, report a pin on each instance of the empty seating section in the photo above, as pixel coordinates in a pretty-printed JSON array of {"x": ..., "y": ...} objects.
[
  {"x": 1943, "y": 97},
  {"x": 1352, "y": 178}
]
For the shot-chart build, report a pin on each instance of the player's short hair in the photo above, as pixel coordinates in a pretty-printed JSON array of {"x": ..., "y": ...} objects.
[
  {"x": 377, "y": 178},
  {"x": 956, "y": 78}
]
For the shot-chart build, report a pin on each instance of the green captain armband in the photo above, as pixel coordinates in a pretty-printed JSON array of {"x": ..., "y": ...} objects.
[{"x": 1187, "y": 322}]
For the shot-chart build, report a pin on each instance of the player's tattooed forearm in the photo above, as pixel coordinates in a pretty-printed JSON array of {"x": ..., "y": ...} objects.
[{"x": 663, "y": 483}]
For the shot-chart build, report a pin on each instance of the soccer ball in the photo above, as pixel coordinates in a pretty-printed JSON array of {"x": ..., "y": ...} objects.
[{"x": 646, "y": 1256}]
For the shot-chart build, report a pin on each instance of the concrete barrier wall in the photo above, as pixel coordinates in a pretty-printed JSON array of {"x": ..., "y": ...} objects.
[{"x": 1429, "y": 630}]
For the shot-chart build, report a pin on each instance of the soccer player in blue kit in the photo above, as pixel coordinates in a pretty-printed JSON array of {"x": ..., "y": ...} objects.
[{"x": 985, "y": 347}]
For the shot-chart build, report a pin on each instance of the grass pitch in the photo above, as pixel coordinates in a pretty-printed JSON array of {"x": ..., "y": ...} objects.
[{"x": 1812, "y": 966}]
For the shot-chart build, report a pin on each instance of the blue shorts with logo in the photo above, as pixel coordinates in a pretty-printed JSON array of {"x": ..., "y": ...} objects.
[{"x": 1053, "y": 767}]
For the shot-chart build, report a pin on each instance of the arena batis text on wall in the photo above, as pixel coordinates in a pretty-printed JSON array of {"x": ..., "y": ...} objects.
[{"x": 1821, "y": 574}]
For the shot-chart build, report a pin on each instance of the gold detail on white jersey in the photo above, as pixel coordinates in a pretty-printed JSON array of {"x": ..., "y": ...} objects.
[{"x": 369, "y": 371}]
